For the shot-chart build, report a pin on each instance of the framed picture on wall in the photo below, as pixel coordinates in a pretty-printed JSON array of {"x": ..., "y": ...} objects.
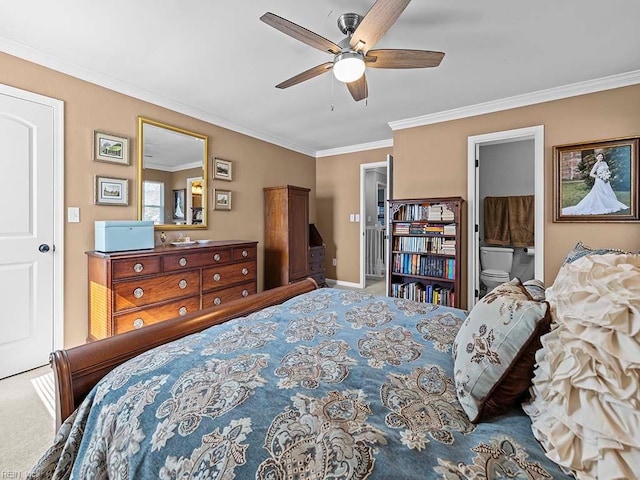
[
  {"x": 222, "y": 169},
  {"x": 178, "y": 203},
  {"x": 110, "y": 148},
  {"x": 111, "y": 191},
  {"x": 221, "y": 199},
  {"x": 596, "y": 181}
]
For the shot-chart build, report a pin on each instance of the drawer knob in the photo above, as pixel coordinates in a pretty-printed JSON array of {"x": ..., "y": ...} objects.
[
  {"x": 182, "y": 311},
  {"x": 245, "y": 253},
  {"x": 182, "y": 261},
  {"x": 216, "y": 301},
  {"x": 138, "y": 292},
  {"x": 138, "y": 323},
  {"x": 245, "y": 271},
  {"x": 182, "y": 284},
  {"x": 216, "y": 257},
  {"x": 245, "y": 292},
  {"x": 138, "y": 267},
  {"x": 216, "y": 277}
]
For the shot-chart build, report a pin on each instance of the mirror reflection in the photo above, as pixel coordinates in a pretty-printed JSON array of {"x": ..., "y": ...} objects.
[{"x": 172, "y": 176}]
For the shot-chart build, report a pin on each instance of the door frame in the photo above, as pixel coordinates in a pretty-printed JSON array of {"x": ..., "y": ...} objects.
[
  {"x": 57, "y": 107},
  {"x": 535, "y": 133},
  {"x": 363, "y": 214}
]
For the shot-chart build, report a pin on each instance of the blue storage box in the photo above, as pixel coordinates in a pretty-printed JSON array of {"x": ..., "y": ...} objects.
[{"x": 120, "y": 235}]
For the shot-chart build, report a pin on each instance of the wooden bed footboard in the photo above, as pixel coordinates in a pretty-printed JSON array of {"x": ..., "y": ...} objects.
[{"x": 78, "y": 369}]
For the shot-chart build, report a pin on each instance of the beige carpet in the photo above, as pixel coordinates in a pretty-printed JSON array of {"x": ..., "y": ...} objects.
[
  {"x": 374, "y": 285},
  {"x": 26, "y": 423}
]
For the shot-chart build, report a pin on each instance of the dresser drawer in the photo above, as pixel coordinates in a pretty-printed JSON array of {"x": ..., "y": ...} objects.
[
  {"x": 141, "y": 292},
  {"x": 148, "y": 316},
  {"x": 135, "y": 267},
  {"x": 218, "y": 297},
  {"x": 316, "y": 268},
  {"x": 244, "y": 253},
  {"x": 196, "y": 259},
  {"x": 226, "y": 275},
  {"x": 316, "y": 254}
]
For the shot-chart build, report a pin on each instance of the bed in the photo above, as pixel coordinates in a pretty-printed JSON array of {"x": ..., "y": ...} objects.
[{"x": 291, "y": 383}]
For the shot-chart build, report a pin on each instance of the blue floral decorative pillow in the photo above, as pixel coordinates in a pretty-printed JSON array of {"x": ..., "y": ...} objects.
[
  {"x": 494, "y": 350},
  {"x": 581, "y": 250},
  {"x": 535, "y": 288}
]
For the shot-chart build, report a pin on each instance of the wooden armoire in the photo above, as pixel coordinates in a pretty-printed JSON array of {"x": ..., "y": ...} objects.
[{"x": 286, "y": 236}]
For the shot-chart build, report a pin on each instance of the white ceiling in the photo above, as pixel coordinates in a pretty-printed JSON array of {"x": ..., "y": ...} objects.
[{"x": 217, "y": 61}]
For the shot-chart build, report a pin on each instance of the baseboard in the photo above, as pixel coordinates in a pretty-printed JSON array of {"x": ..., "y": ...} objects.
[{"x": 331, "y": 282}]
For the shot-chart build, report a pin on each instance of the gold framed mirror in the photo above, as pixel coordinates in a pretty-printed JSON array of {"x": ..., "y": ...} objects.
[{"x": 172, "y": 176}]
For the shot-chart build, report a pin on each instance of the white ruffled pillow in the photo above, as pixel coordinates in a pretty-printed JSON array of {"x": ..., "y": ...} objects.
[{"x": 586, "y": 389}]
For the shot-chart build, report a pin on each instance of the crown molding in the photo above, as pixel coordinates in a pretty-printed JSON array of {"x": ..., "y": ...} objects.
[
  {"x": 355, "y": 148},
  {"x": 541, "y": 96},
  {"x": 53, "y": 62}
]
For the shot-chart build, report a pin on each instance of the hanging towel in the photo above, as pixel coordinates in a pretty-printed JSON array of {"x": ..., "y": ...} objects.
[
  {"x": 521, "y": 220},
  {"x": 496, "y": 221}
]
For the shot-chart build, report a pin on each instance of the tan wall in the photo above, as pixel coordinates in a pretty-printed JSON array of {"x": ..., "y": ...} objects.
[
  {"x": 338, "y": 195},
  {"x": 88, "y": 107},
  {"x": 432, "y": 160}
]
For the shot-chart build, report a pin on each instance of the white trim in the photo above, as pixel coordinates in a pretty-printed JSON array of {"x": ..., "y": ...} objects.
[
  {"x": 363, "y": 214},
  {"x": 55, "y": 63},
  {"x": 58, "y": 203},
  {"x": 355, "y": 148},
  {"x": 536, "y": 133},
  {"x": 331, "y": 281},
  {"x": 557, "y": 93},
  {"x": 172, "y": 168}
]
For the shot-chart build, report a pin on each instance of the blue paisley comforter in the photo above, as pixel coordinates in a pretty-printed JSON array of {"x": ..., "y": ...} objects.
[{"x": 331, "y": 384}]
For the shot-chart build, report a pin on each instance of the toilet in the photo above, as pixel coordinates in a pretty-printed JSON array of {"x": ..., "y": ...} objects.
[{"x": 496, "y": 265}]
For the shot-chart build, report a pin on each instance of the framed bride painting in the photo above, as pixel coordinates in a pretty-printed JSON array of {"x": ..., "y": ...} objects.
[{"x": 596, "y": 182}]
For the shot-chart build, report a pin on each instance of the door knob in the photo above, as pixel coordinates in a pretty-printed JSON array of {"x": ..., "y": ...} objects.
[{"x": 44, "y": 248}]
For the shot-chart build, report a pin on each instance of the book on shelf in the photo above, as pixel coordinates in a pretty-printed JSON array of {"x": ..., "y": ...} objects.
[
  {"x": 418, "y": 292},
  {"x": 424, "y": 265}
]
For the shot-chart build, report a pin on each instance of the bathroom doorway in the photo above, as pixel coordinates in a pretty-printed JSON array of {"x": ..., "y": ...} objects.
[
  {"x": 375, "y": 191},
  {"x": 505, "y": 169}
]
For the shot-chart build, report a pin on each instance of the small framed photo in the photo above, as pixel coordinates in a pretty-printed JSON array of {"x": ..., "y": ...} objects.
[
  {"x": 178, "y": 203},
  {"x": 112, "y": 191},
  {"x": 110, "y": 148},
  {"x": 596, "y": 181},
  {"x": 222, "y": 169},
  {"x": 221, "y": 199}
]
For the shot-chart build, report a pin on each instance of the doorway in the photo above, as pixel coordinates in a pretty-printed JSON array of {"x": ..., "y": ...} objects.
[
  {"x": 31, "y": 249},
  {"x": 499, "y": 146},
  {"x": 375, "y": 191}
]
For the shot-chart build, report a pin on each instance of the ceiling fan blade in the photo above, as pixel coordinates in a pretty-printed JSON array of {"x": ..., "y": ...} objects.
[
  {"x": 358, "y": 89},
  {"x": 306, "y": 75},
  {"x": 300, "y": 33},
  {"x": 376, "y": 23},
  {"x": 386, "y": 58}
]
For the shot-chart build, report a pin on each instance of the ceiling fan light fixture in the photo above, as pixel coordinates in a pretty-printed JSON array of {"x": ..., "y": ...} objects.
[{"x": 348, "y": 66}]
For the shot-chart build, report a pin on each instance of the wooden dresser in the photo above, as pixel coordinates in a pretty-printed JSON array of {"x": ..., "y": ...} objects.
[{"x": 128, "y": 290}]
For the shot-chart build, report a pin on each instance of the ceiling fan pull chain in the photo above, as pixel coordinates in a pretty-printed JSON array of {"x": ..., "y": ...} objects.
[{"x": 332, "y": 90}]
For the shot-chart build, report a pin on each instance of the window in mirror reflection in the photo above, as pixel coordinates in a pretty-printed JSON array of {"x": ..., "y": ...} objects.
[{"x": 153, "y": 207}]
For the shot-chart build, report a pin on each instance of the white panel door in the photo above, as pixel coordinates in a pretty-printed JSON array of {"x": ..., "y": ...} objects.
[{"x": 26, "y": 234}]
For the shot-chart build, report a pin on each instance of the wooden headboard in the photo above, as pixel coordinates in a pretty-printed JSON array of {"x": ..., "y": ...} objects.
[{"x": 78, "y": 369}]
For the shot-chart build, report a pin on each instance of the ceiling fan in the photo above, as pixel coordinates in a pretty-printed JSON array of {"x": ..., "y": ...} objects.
[{"x": 353, "y": 54}]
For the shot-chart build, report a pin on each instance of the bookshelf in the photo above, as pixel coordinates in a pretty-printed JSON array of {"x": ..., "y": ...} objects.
[{"x": 424, "y": 258}]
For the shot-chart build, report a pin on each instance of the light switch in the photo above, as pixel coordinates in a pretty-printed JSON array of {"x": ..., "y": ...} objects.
[
  {"x": 352, "y": 217},
  {"x": 73, "y": 214},
  {"x": 357, "y": 217}
]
